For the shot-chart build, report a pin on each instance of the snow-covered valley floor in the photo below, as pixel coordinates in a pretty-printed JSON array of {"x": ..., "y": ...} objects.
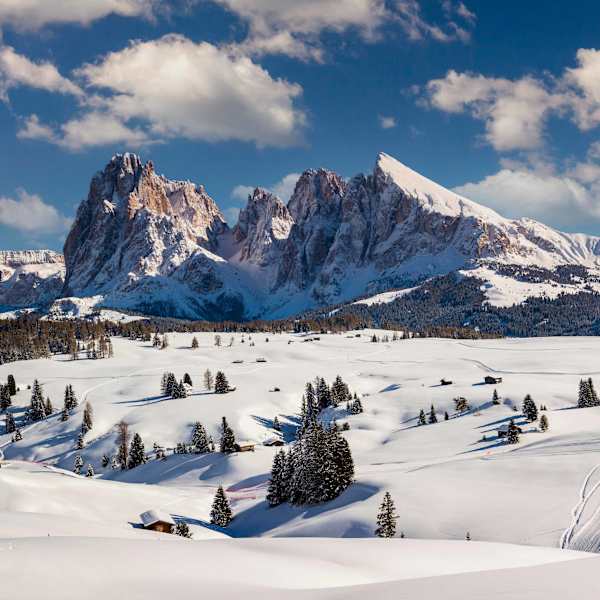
[{"x": 61, "y": 533}]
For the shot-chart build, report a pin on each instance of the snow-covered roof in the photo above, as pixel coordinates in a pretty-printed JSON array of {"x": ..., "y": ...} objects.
[{"x": 155, "y": 516}]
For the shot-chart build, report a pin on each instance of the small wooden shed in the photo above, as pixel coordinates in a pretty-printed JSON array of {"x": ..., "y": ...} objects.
[
  {"x": 245, "y": 447},
  {"x": 157, "y": 520},
  {"x": 492, "y": 380}
]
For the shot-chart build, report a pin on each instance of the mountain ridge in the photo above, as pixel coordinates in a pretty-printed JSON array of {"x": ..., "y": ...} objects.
[{"x": 143, "y": 242}]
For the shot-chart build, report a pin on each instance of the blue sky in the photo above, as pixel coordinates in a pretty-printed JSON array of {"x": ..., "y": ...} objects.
[{"x": 500, "y": 101}]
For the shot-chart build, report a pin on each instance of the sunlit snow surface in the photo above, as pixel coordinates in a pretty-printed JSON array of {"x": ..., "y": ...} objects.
[{"x": 446, "y": 480}]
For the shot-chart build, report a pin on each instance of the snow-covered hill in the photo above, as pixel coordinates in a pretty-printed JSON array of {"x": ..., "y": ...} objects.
[
  {"x": 521, "y": 503},
  {"x": 141, "y": 241}
]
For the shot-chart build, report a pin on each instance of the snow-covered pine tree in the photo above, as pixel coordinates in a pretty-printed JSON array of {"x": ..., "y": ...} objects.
[
  {"x": 495, "y": 397},
  {"x": 123, "y": 444},
  {"x": 530, "y": 409},
  {"x": 221, "y": 383},
  {"x": 90, "y": 471},
  {"x": 276, "y": 491},
  {"x": 137, "y": 452},
  {"x": 338, "y": 391},
  {"x": 227, "y": 444},
  {"x": 544, "y": 425},
  {"x": 9, "y": 423},
  {"x": 18, "y": 435},
  {"x": 584, "y": 399},
  {"x": 182, "y": 529},
  {"x": 182, "y": 390},
  {"x": 195, "y": 343},
  {"x": 105, "y": 461},
  {"x": 446, "y": 416},
  {"x": 323, "y": 394},
  {"x": 386, "y": 518},
  {"x": 71, "y": 402},
  {"x": 48, "y": 408},
  {"x": 171, "y": 384},
  {"x": 187, "y": 379},
  {"x": 88, "y": 418},
  {"x": 37, "y": 409},
  {"x": 164, "y": 382},
  {"x": 422, "y": 420},
  {"x": 220, "y": 513},
  {"x": 592, "y": 393},
  {"x": 356, "y": 406},
  {"x": 512, "y": 435},
  {"x": 199, "y": 439},
  {"x": 12, "y": 386},
  {"x": 80, "y": 442},
  {"x": 78, "y": 464},
  {"x": 432, "y": 416},
  {"x": 64, "y": 415},
  {"x": 276, "y": 424}
]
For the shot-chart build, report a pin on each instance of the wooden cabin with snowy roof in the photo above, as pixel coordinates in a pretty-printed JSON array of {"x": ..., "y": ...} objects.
[{"x": 157, "y": 520}]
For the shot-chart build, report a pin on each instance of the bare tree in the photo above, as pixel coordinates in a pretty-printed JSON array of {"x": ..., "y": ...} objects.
[{"x": 208, "y": 380}]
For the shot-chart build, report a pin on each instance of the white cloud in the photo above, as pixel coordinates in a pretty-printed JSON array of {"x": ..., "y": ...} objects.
[
  {"x": 515, "y": 112},
  {"x": 567, "y": 200},
  {"x": 17, "y": 70},
  {"x": 34, "y": 14},
  {"x": 293, "y": 27},
  {"x": 33, "y": 129},
  {"x": 31, "y": 214},
  {"x": 241, "y": 192},
  {"x": 182, "y": 89},
  {"x": 387, "y": 122}
]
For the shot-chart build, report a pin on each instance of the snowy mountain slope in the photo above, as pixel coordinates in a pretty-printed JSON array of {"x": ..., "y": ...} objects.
[
  {"x": 482, "y": 481},
  {"x": 30, "y": 277},
  {"x": 143, "y": 242}
]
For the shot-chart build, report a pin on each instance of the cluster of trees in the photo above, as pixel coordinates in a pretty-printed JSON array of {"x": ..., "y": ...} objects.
[
  {"x": 169, "y": 386},
  {"x": 587, "y": 394},
  {"x": 431, "y": 417},
  {"x": 317, "y": 468}
]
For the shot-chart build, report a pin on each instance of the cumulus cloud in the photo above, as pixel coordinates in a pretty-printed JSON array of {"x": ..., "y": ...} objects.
[
  {"x": 567, "y": 199},
  {"x": 387, "y": 122},
  {"x": 515, "y": 112},
  {"x": 29, "y": 213},
  {"x": 34, "y": 14},
  {"x": 182, "y": 89},
  {"x": 241, "y": 192},
  {"x": 293, "y": 27},
  {"x": 17, "y": 70}
]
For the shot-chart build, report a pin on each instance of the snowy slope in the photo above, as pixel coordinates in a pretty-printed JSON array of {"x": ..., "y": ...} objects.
[{"x": 418, "y": 465}]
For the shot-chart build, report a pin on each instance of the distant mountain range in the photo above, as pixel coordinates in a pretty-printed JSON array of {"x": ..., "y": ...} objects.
[{"x": 146, "y": 243}]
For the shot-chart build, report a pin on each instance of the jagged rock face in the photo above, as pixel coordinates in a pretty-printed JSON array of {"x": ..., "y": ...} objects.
[
  {"x": 30, "y": 277},
  {"x": 136, "y": 225},
  {"x": 315, "y": 209},
  {"x": 262, "y": 227},
  {"x": 142, "y": 241}
]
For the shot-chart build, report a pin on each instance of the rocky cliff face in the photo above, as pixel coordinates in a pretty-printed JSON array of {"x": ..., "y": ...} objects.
[{"x": 144, "y": 242}]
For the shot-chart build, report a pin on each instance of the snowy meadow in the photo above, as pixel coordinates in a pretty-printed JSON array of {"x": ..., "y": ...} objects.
[{"x": 432, "y": 433}]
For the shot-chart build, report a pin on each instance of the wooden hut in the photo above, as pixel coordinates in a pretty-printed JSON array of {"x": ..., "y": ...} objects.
[{"x": 157, "y": 520}]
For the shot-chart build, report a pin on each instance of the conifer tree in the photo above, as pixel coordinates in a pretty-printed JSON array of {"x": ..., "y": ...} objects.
[
  {"x": 208, "y": 380},
  {"x": 90, "y": 471},
  {"x": 80, "y": 442},
  {"x": 584, "y": 400},
  {"x": 338, "y": 391},
  {"x": 386, "y": 518},
  {"x": 9, "y": 423},
  {"x": 495, "y": 397},
  {"x": 446, "y": 416},
  {"x": 221, "y": 383},
  {"x": 323, "y": 394},
  {"x": 220, "y": 513},
  {"x": 187, "y": 379},
  {"x": 18, "y": 435},
  {"x": 356, "y": 406},
  {"x": 422, "y": 420},
  {"x": 137, "y": 452},
  {"x": 123, "y": 444},
  {"x": 200, "y": 439},
  {"x": 88, "y": 418},
  {"x": 593, "y": 397},
  {"x": 71, "y": 402},
  {"x": 544, "y": 423},
  {"x": 171, "y": 384},
  {"x": 432, "y": 416},
  {"x": 194, "y": 343},
  {"x": 530, "y": 409},
  {"x": 5, "y": 400},
  {"x": 182, "y": 529},
  {"x": 48, "y": 407},
  {"x": 512, "y": 435},
  {"x": 276, "y": 424},
  {"x": 105, "y": 461},
  {"x": 276, "y": 492},
  {"x": 227, "y": 445},
  {"x": 64, "y": 415},
  {"x": 164, "y": 382},
  {"x": 37, "y": 409},
  {"x": 78, "y": 464},
  {"x": 12, "y": 386}
]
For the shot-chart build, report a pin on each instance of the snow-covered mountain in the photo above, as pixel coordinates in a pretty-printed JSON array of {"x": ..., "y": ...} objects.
[
  {"x": 30, "y": 277},
  {"x": 144, "y": 242}
]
